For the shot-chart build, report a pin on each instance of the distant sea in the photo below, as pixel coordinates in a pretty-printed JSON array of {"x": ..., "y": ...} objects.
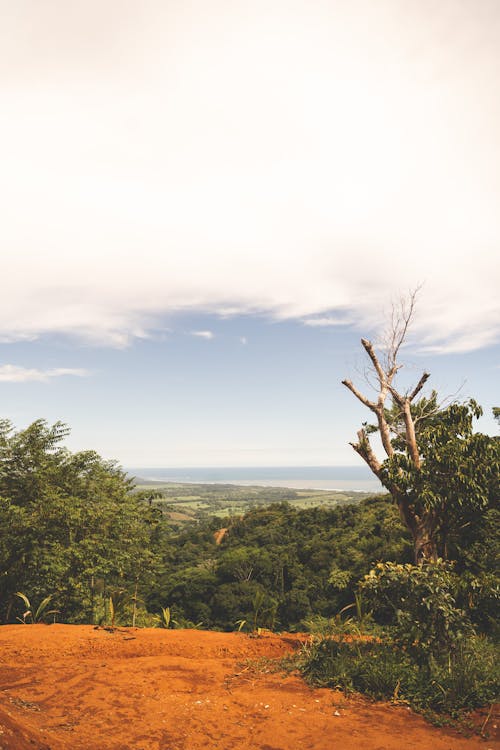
[{"x": 354, "y": 478}]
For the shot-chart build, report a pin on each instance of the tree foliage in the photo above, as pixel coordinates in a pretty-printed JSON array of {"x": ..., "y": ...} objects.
[
  {"x": 69, "y": 527},
  {"x": 303, "y": 562},
  {"x": 438, "y": 471},
  {"x": 421, "y": 603},
  {"x": 457, "y": 479}
]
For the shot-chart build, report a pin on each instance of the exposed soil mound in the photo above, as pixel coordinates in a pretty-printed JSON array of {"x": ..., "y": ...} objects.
[{"x": 64, "y": 686}]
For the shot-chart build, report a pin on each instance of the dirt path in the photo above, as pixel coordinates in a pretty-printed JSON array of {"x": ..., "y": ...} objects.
[{"x": 64, "y": 686}]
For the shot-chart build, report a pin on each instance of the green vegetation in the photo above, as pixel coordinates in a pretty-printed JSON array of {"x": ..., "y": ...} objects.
[
  {"x": 35, "y": 614},
  {"x": 78, "y": 536},
  {"x": 466, "y": 679},
  {"x": 73, "y": 527},
  {"x": 276, "y": 565},
  {"x": 427, "y": 654},
  {"x": 439, "y": 472},
  {"x": 444, "y": 479},
  {"x": 69, "y": 526},
  {"x": 164, "y": 618},
  {"x": 183, "y": 503}
]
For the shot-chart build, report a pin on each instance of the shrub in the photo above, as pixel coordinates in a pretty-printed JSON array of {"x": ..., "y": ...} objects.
[
  {"x": 428, "y": 654},
  {"x": 465, "y": 680},
  {"x": 420, "y": 605}
]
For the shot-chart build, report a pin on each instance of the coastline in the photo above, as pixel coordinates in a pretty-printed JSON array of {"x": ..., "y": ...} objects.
[{"x": 336, "y": 479}]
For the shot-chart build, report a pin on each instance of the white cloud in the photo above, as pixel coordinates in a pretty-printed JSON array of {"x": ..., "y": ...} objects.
[
  {"x": 203, "y": 334},
  {"x": 325, "y": 321},
  {"x": 243, "y": 340},
  {"x": 286, "y": 160},
  {"x": 17, "y": 374}
]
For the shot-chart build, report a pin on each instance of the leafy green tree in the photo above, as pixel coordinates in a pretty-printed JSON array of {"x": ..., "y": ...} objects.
[
  {"x": 456, "y": 483},
  {"x": 70, "y": 527},
  {"x": 438, "y": 471}
]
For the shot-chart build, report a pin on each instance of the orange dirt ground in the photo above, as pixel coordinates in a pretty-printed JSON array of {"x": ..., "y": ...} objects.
[{"x": 72, "y": 686}]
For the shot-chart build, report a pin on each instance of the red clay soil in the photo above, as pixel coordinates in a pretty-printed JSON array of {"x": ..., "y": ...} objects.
[{"x": 72, "y": 686}]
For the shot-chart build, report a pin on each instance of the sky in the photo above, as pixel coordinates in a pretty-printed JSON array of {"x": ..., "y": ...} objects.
[{"x": 205, "y": 205}]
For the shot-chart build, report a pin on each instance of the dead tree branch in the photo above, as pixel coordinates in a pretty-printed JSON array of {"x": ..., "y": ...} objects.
[{"x": 390, "y": 422}]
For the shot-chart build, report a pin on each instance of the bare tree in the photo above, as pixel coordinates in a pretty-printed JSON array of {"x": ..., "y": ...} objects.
[{"x": 394, "y": 419}]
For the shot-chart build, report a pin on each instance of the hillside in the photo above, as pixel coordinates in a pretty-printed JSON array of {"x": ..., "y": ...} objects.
[{"x": 77, "y": 687}]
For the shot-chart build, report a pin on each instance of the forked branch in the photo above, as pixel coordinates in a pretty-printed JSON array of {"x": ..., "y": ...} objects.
[
  {"x": 423, "y": 380},
  {"x": 364, "y": 449},
  {"x": 364, "y": 400},
  {"x": 368, "y": 347},
  {"x": 397, "y": 421}
]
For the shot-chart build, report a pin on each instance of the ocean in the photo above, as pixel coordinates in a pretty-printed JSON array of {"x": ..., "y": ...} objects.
[{"x": 354, "y": 478}]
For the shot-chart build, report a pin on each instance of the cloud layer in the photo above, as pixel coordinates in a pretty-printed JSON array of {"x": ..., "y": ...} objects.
[
  {"x": 18, "y": 374},
  {"x": 304, "y": 160}
]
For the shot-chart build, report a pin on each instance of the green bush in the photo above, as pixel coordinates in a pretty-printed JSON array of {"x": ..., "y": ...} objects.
[
  {"x": 465, "y": 680},
  {"x": 428, "y": 654},
  {"x": 420, "y": 604},
  {"x": 370, "y": 667},
  {"x": 480, "y": 595}
]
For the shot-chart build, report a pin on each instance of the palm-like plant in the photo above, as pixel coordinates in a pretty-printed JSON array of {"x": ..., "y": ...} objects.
[
  {"x": 35, "y": 614},
  {"x": 164, "y": 618},
  {"x": 117, "y": 602}
]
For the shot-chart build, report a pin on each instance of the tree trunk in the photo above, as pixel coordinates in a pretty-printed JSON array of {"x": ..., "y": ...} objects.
[
  {"x": 421, "y": 523},
  {"x": 9, "y": 610},
  {"x": 424, "y": 541},
  {"x": 134, "y": 613}
]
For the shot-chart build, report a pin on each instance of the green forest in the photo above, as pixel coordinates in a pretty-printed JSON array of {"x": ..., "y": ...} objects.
[
  {"x": 78, "y": 529},
  {"x": 195, "y": 502},
  {"x": 80, "y": 542}
]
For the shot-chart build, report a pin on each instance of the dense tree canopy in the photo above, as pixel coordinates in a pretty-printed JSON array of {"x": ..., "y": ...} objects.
[
  {"x": 69, "y": 526},
  {"x": 294, "y": 564}
]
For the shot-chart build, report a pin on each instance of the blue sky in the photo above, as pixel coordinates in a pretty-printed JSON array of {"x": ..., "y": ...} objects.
[
  {"x": 207, "y": 204},
  {"x": 259, "y": 392}
]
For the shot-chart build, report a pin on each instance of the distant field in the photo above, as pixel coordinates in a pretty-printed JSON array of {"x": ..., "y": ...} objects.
[{"x": 192, "y": 502}]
